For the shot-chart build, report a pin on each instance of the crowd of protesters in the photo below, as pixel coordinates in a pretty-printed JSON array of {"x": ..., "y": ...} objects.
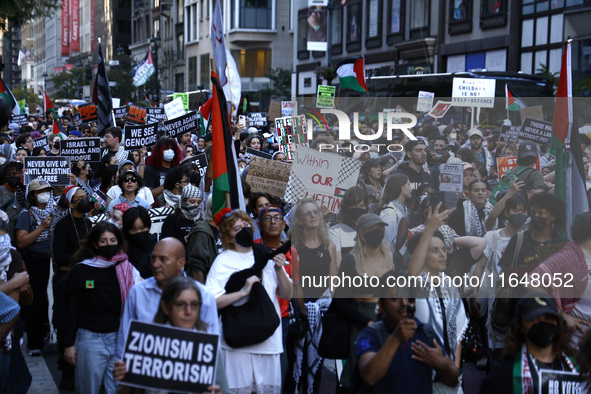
[{"x": 96, "y": 240}]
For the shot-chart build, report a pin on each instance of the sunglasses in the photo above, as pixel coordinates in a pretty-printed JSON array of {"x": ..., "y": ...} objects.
[{"x": 127, "y": 180}]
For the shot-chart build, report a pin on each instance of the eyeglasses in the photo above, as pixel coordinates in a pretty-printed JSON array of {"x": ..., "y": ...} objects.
[
  {"x": 127, "y": 180},
  {"x": 182, "y": 306},
  {"x": 238, "y": 228},
  {"x": 314, "y": 213},
  {"x": 269, "y": 218}
]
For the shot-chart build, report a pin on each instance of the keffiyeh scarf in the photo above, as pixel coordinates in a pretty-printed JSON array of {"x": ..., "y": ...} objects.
[{"x": 473, "y": 222}]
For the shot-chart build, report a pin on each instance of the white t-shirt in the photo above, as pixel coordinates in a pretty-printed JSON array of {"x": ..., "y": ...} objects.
[
  {"x": 230, "y": 262},
  {"x": 342, "y": 235},
  {"x": 145, "y": 193},
  {"x": 502, "y": 243}
]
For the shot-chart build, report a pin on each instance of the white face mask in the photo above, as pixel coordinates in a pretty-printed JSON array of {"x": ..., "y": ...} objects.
[
  {"x": 168, "y": 155},
  {"x": 43, "y": 198}
]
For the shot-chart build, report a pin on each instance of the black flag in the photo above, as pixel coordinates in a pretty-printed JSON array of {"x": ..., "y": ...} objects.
[{"x": 102, "y": 95}]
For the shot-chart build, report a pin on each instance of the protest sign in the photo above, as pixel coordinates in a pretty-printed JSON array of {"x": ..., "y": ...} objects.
[
  {"x": 504, "y": 164},
  {"x": 53, "y": 169},
  {"x": 181, "y": 125},
  {"x": 200, "y": 159},
  {"x": 292, "y": 131},
  {"x": 323, "y": 176},
  {"x": 136, "y": 115},
  {"x": 325, "y": 96},
  {"x": 184, "y": 99},
  {"x": 155, "y": 114},
  {"x": 120, "y": 112},
  {"x": 274, "y": 110},
  {"x": 585, "y": 130},
  {"x": 425, "y": 101},
  {"x": 473, "y": 92},
  {"x": 287, "y": 108},
  {"x": 115, "y": 101},
  {"x": 440, "y": 109},
  {"x": 174, "y": 109},
  {"x": 88, "y": 112},
  {"x": 77, "y": 120},
  {"x": 259, "y": 153},
  {"x": 537, "y": 131},
  {"x": 534, "y": 112},
  {"x": 256, "y": 119},
  {"x": 555, "y": 382},
  {"x": 20, "y": 120},
  {"x": 43, "y": 142},
  {"x": 509, "y": 133},
  {"x": 168, "y": 358},
  {"x": 136, "y": 136},
  {"x": 451, "y": 178},
  {"x": 88, "y": 149},
  {"x": 268, "y": 176}
]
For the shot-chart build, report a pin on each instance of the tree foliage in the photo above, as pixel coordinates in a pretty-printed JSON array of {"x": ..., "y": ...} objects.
[
  {"x": 278, "y": 89},
  {"x": 581, "y": 86},
  {"x": 67, "y": 84},
  {"x": 20, "y": 11}
]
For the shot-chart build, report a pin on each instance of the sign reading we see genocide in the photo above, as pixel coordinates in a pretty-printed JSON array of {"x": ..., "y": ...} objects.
[
  {"x": 268, "y": 176},
  {"x": 168, "y": 358},
  {"x": 451, "y": 177},
  {"x": 473, "y": 92},
  {"x": 136, "y": 136},
  {"x": 41, "y": 142},
  {"x": 53, "y": 169},
  {"x": 256, "y": 119},
  {"x": 509, "y": 133},
  {"x": 136, "y": 115},
  {"x": 88, "y": 113},
  {"x": 200, "y": 159},
  {"x": 120, "y": 112},
  {"x": 88, "y": 149},
  {"x": 181, "y": 125},
  {"x": 155, "y": 114},
  {"x": 534, "y": 130}
]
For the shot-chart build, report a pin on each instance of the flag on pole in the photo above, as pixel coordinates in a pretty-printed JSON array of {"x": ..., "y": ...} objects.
[
  {"x": 58, "y": 129},
  {"x": 144, "y": 70},
  {"x": 512, "y": 101},
  {"x": 226, "y": 178},
  {"x": 102, "y": 95},
  {"x": 570, "y": 176},
  {"x": 233, "y": 89},
  {"x": 7, "y": 95},
  {"x": 21, "y": 58},
  {"x": 48, "y": 105},
  {"x": 351, "y": 74},
  {"x": 218, "y": 43},
  {"x": 27, "y": 54},
  {"x": 205, "y": 111},
  {"x": 344, "y": 2}
]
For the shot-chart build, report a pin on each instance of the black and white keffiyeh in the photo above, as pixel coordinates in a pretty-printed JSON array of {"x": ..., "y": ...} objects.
[{"x": 474, "y": 220}]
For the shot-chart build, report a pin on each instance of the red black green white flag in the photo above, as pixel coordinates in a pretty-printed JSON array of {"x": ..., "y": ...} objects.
[
  {"x": 7, "y": 95},
  {"x": 512, "y": 101},
  {"x": 351, "y": 74}
]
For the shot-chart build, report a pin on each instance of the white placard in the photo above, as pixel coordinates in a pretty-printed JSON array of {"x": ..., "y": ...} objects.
[
  {"x": 425, "y": 101},
  {"x": 174, "y": 109},
  {"x": 451, "y": 177},
  {"x": 473, "y": 92},
  {"x": 116, "y": 102}
]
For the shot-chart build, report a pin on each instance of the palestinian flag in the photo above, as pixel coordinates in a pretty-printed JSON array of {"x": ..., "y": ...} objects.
[
  {"x": 6, "y": 94},
  {"x": 58, "y": 129},
  {"x": 48, "y": 104},
  {"x": 351, "y": 74},
  {"x": 512, "y": 102},
  {"x": 226, "y": 177},
  {"x": 566, "y": 146}
]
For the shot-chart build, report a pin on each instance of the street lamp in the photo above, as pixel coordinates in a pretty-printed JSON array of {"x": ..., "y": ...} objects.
[
  {"x": 156, "y": 41},
  {"x": 79, "y": 79}
]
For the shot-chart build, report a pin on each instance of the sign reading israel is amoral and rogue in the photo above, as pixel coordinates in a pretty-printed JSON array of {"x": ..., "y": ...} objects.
[
  {"x": 136, "y": 136},
  {"x": 88, "y": 149},
  {"x": 473, "y": 92}
]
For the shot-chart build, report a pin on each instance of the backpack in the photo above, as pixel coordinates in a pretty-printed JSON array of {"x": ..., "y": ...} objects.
[{"x": 503, "y": 186}]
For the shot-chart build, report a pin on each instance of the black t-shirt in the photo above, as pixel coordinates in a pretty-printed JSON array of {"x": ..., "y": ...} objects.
[
  {"x": 528, "y": 255},
  {"x": 154, "y": 177},
  {"x": 416, "y": 178},
  {"x": 66, "y": 241},
  {"x": 177, "y": 227}
]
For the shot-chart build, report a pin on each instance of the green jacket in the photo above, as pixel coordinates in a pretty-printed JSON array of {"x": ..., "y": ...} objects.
[{"x": 202, "y": 248}]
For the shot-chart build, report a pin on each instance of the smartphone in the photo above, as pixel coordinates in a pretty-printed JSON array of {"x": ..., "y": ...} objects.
[
  {"x": 436, "y": 198},
  {"x": 242, "y": 120},
  {"x": 410, "y": 311}
]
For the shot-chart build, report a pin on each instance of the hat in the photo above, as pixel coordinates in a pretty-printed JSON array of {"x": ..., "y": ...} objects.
[
  {"x": 411, "y": 144},
  {"x": 207, "y": 137},
  {"x": 536, "y": 304},
  {"x": 468, "y": 166},
  {"x": 123, "y": 162},
  {"x": 396, "y": 137},
  {"x": 477, "y": 132},
  {"x": 191, "y": 191},
  {"x": 39, "y": 184},
  {"x": 368, "y": 220},
  {"x": 370, "y": 163},
  {"x": 130, "y": 171},
  {"x": 76, "y": 133},
  {"x": 70, "y": 191},
  {"x": 270, "y": 209},
  {"x": 252, "y": 130},
  {"x": 526, "y": 149}
]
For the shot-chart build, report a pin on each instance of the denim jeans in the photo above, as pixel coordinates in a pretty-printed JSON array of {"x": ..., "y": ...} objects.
[{"x": 95, "y": 360}]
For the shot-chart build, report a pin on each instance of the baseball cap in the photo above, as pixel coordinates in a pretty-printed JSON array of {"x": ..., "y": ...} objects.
[
  {"x": 412, "y": 143},
  {"x": 468, "y": 166},
  {"x": 527, "y": 148},
  {"x": 76, "y": 133},
  {"x": 129, "y": 172},
  {"x": 124, "y": 162},
  {"x": 536, "y": 304},
  {"x": 477, "y": 132},
  {"x": 39, "y": 184},
  {"x": 270, "y": 209},
  {"x": 368, "y": 220}
]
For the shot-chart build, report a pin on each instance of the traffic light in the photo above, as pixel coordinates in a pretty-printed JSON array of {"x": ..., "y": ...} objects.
[{"x": 88, "y": 73}]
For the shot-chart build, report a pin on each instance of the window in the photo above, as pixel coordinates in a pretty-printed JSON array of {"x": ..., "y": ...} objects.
[
  {"x": 179, "y": 82},
  {"x": 204, "y": 70},
  {"x": 354, "y": 18},
  {"x": 180, "y": 47},
  {"x": 191, "y": 22},
  {"x": 395, "y": 22},
  {"x": 374, "y": 24},
  {"x": 201, "y": 14},
  {"x": 491, "y": 7},
  {"x": 493, "y": 13},
  {"x": 156, "y": 27},
  {"x": 207, "y": 10},
  {"x": 302, "y": 39},
  {"x": 192, "y": 73},
  {"x": 156, "y": 3},
  {"x": 180, "y": 11},
  {"x": 419, "y": 15},
  {"x": 337, "y": 30},
  {"x": 460, "y": 18},
  {"x": 252, "y": 63},
  {"x": 256, "y": 14}
]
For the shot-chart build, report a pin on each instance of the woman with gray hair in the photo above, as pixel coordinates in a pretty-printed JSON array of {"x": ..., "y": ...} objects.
[{"x": 204, "y": 243}]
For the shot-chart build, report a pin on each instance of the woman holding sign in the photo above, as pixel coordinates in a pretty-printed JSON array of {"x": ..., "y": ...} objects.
[{"x": 180, "y": 306}]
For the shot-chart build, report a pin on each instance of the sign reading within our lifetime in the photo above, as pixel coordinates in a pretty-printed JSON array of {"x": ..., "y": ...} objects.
[
  {"x": 560, "y": 382},
  {"x": 88, "y": 149},
  {"x": 155, "y": 114},
  {"x": 269, "y": 176},
  {"x": 200, "y": 159},
  {"x": 473, "y": 92},
  {"x": 136, "y": 115},
  {"x": 534, "y": 130},
  {"x": 256, "y": 119},
  {"x": 137, "y": 136},
  {"x": 120, "y": 112},
  {"x": 181, "y": 125},
  {"x": 41, "y": 142},
  {"x": 168, "y": 358},
  {"x": 325, "y": 96},
  {"x": 53, "y": 169}
]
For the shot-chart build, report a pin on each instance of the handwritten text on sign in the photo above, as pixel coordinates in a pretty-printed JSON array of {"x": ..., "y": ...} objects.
[
  {"x": 53, "y": 169},
  {"x": 138, "y": 136},
  {"x": 168, "y": 358},
  {"x": 88, "y": 149},
  {"x": 270, "y": 176}
]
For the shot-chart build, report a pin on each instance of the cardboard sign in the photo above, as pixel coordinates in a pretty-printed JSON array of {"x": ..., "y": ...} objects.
[
  {"x": 184, "y": 98},
  {"x": 319, "y": 174},
  {"x": 88, "y": 112},
  {"x": 440, "y": 109},
  {"x": 120, "y": 112},
  {"x": 325, "y": 96},
  {"x": 181, "y": 125},
  {"x": 269, "y": 176},
  {"x": 274, "y": 110},
  {"x": 136, "y": 136},
  {"x": 504, "y": 164},
  {"x": 21, "y": 120},
  {"x": 136, "y": 115},
  {"x": 535, "y": 130},
  {"x": 555, "y": 382},
  {"x": 168, "y": 358},
  {"x": 155, "y": 114},
  {"x": 53, "y": 169},
  {"x": 534, "y": 112},
  {"x": 88, "y": 149},
  {"x": 256, "y": 119},
  {"x": 42, "y": 142},
  {"x": 425, "y": 101},
  {"x": 253, "y": 152},
  {"x": 174, "y": 109},
  {"x": 200, "y": 159},
  {"x": 473, "y": 92},
  {"x": 509, "y": 133},
  {"x": 451, "y": 177}
]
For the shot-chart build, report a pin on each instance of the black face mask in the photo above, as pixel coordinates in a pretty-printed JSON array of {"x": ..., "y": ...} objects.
[
  {"x": 113, "y": 168},
  {"x": 374, "y": 238},
  {"x": 14, "y": 181},
  {"x": 90, "y": 174},
  {"x": 517, "y": 220},
  {"x": 538, "y": 224},
  {"x": 84, "y": 205},
  {"x": 108, "y": 251},
  {"x": 244, "y": 237},
  {"x": 140, "y": 239},
  {"x": 542, "y": 334},
  {"x": 354, "y": 213}
]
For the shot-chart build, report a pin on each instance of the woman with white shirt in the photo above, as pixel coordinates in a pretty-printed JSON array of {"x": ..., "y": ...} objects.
[{"x": 392, "y": 208}]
